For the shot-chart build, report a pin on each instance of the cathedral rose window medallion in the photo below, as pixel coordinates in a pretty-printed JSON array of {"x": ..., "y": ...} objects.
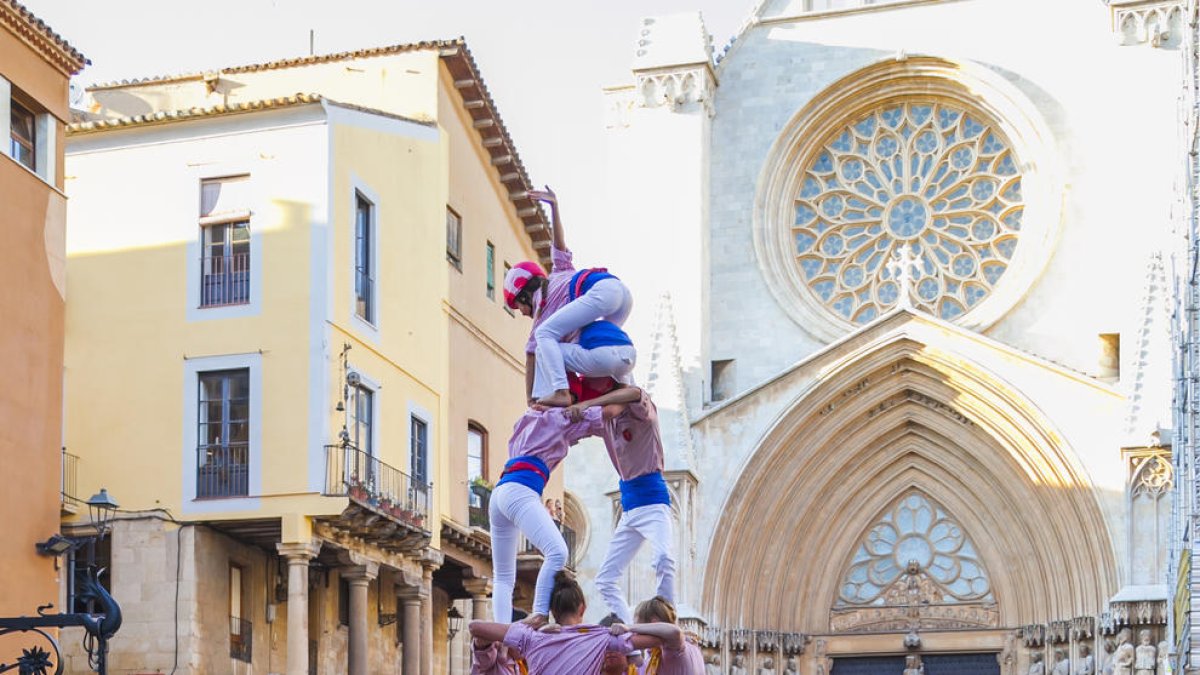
[{"x": 934, "y": 177}]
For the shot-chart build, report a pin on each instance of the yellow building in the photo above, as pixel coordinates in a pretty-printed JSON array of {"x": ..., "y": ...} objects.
[{"x": 284, "y": 335}]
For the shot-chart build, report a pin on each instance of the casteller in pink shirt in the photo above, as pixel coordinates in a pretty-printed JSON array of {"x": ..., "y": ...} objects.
[
  {"x": 555, "y": 295},
  {"x": 686, "y": 661},
  {"x": 548, "y": 435},
  {"x": 492, "y": 660},
  {"x": 632, "y": 438},
  {"x": 576, "y": 650}
]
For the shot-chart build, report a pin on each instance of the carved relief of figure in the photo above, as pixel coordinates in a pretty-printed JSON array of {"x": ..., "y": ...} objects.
[
  {"x": 1036, "y": 667},
  {"x": 1086, "y": 663},
  {"x": 913, "y": 665},
  {"x": 1146, "y": 655},
  {"x": 738, "y": 667},
  {"x": 793, "y": 668},
  {"x": 1164, "y": 658},
  {"x": 824, "y": 664},
  {"x": 1008, "y": 657},
  {"x": 1122, "y": 660},
  {"x": 713, "y": 665},
  {"x": 1062, "y": 664},
  {"x": 1106, "y": 659},
  {"x": 768, "y": 667}
]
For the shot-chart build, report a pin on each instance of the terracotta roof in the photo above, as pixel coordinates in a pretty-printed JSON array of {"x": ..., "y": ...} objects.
[
  {"x": 163, "y": 117},
  {"x": 41, "y": 38}
]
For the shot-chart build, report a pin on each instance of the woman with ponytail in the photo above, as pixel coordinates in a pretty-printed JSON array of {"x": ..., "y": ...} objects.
[
  {"x": 677, "y": 656},
  {"x": 575, "y": 649}
]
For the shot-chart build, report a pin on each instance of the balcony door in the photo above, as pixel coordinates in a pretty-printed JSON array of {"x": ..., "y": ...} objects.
[{"x": 223, "y": 457}]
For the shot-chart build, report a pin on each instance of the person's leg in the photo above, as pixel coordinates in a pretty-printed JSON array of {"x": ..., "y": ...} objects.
[
  {"x": 654, "y": 524},
  {"x": 626, "y": 541},
  {"x": 623, "y": 306},
  {"x": 504, "y": 553},
  {"x": 528, "y": 513},
  {"x": 571, "y": 317},
  {"x": 614, "y": 361}
]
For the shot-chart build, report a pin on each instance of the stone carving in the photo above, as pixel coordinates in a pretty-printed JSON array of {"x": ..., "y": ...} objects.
[
  {"x": 1085, "y": 663},
  {"x": 913, "y": 665},
  {"x": 713, "y": 665},
  {"x": 1145, "y": 656},
  {"x": 901, "y": 268},
  {"x": 738, "y": 667},
  {"x": 792, "y": 667},
  {"x": 1164, "y": 658},
  {"x": 1139, "y": 612},
  {"x": 1141, "y": 21},
  {"x": 793, "y": 643},
  {"x": 710, "y": 636},
  {"x": 675, "y": 88},
  {"x": 1106, "y": 660},
  {"x": 917, "y": 397},
  {"x": 1007, "y": 657},
  {"x": 822, "y": 664},
  {"x": 1152, "y": 475},
  {"x": 768, "y": 667},
  {"x": 766, "y": 640},
  {"x": 739, "y": 639},
  {"x": 1033, "y": 635},
  {"x": 1123, "y": 657},
  {"x": 1062, "y": 664},
  {"x": 1036, "y": 667}
]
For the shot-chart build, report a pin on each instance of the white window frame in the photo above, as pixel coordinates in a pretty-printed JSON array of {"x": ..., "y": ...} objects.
[
  {"x": 45, "y": 146},
  {"x": 192, "y": 368},
  {"x": 417, "y": 411},
  {"x": 195, "y": 247},
  {"x": 365, "y": 381},
  {"x": 370, "y": 327}
]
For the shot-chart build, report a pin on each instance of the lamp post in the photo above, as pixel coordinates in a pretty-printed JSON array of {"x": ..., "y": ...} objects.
[
  {"x": 454, "y": 621},
  {"x": 100, "y": 623}
]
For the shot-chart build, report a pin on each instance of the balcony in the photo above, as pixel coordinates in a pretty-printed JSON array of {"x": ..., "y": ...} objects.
[
  {"x": 241, "y": 639},
  {"x": 70, "y": 467},
  {"x": 222, "y": 470},
  {"x": 377, "y": 489},
  {"x": 225, "y": 280},
  {"x": 530, "y": 558}
]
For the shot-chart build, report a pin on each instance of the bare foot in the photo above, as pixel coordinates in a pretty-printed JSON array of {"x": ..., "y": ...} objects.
[{"x": 559, "y": 399}]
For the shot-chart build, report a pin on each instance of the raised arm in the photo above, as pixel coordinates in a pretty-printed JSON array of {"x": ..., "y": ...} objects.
[
  {"x": 486, "y": 631},
  {"x": 547, "y": 195},
  {"x": 619, "y": 394},
  {"x": 530, "y": 369},
  {"x": 669, "y": 633},
  {"x": 646, "y": 641}
]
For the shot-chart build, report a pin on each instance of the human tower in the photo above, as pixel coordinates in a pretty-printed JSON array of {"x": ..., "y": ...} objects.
[{"x": 579, "y": 383}]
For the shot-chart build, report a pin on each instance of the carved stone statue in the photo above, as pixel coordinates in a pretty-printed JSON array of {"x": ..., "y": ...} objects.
[
  {"x": 738, "y": 667},
  {"x": 913, "y": 665},
  {"x": 824, "y": 664},
  {"x": 1085, "y": 664},
  {"x": 1122, "y": 660},
  {"x": 1106, "y": 659},
  {"x": 1062, "y": 664},
  {"x": 1145, "y": 656},
  {"x": 713, "y": 665},
  {"x": 1164, "y": 658},
  {"x": 792, "y": 668},
  {"x": 768, "y": 667},
  {"x": 1036, "y": 667}
]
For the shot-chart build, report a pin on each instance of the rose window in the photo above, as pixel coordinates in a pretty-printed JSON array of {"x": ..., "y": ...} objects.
[{"x": 937, "y": 180}]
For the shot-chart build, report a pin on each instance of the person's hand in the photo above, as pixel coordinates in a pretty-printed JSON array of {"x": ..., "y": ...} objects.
[
  {"x": 618, "y": 629},
  {"x": 575, "y": 412},
  {"x": 535, "y": 621},
  {"x": 537, "y": 407},
  {"x": 545, "y": 195}
]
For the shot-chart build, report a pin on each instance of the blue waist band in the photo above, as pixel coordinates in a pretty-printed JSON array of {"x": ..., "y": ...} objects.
[
  {"x": 528, "y": 471},
  {"x": 644, "y": 491}
]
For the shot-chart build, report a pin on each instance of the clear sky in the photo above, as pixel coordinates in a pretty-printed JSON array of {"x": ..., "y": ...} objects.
[{"x": 544, "y": 61}]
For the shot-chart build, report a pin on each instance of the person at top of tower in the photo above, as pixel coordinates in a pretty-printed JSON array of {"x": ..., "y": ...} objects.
[
  {"x": 539, "y": 442},
  {"x": 677, "y": 655},
  {"x": 629, "y": 427},
  {"x": 591, "y": 304},
  {"x": 574, "y": 649}
]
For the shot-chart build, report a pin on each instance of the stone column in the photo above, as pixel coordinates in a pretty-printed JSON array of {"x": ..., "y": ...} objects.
[
  {"x": 297, "y": 555},
  {"x": 410, "y": 598},
  {"x": 479, "y": 588},
  {"x": 427, "y": 620},
  {"x": 359, "y": 579}
]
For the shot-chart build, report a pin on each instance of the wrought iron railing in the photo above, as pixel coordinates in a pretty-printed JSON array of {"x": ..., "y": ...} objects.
[
  {"x": 69, "y": 468},
  {"x": 569, "y": 536},
  {"x": 223, "y": 470},
  {"x": 225, "y": 280},
  {"x": 477, "y": 505},
  {"x": 241, "y": 639},
  {"x": 350, "y": 472}
]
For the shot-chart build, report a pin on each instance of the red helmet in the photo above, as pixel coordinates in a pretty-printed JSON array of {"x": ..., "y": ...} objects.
[{"x": 516, "y": 279}]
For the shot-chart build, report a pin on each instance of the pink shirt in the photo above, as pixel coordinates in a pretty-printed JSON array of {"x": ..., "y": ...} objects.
[
  {"x": 491, "y": 660},
  {"x": 556, "y": 294},
  {"x": 634, "y": 444},
  {"x": 548, "y": 435},
  {"x": 686, "y": 661},
  {"x": 577, "y": 650}
]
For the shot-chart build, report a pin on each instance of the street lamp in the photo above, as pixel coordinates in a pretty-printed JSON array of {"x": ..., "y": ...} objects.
[
  {"x": 455, "y": 620},
  {"x": 101, "y": 508}
]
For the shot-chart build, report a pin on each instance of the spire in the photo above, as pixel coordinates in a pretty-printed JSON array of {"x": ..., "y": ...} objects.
[
  {"x": 665, "y": 384},
  {"x": 1147, "y": 408}
]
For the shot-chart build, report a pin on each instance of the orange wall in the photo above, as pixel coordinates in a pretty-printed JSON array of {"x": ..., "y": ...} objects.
[
  {"x": 39, "y": 80},
  {"x": 31, "y": 359}
]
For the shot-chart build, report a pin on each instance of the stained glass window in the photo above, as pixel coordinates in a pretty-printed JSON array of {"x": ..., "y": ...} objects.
[{"x": 933, "y": 177}]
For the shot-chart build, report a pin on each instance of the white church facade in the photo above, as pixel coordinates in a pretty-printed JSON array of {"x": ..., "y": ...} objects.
[{"x": 906, "y": 275}]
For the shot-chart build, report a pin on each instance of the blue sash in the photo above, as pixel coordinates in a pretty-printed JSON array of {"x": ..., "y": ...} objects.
[
  {"x": 644, "y": 491},
  {"x": 528, "y": 471}
]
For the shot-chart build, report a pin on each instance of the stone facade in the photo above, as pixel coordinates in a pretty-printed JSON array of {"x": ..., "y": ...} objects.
[{"x": 956, "y": 438}]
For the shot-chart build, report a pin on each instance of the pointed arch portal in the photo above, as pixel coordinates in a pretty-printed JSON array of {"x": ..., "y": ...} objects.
[{"x": 910, "y": 422}]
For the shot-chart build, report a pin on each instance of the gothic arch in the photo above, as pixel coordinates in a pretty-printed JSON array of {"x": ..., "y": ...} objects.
[{"x": 906, "y": 416}]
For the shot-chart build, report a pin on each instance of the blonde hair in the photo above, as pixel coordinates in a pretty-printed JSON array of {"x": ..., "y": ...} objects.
[{"x": 656, "y": 609}]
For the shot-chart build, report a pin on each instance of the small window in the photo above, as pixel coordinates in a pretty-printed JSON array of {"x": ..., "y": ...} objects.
[
  {"x": 722, "y": 379},
  {"x": 491, "y": 271},
  {"x": 240, "y": 635},
  {"x": 454, "y": 238},
  {"x": 364, "y": 272},
  {"x": 225, "y": 241},
  {"x": 23, "y": 136},
  {"x": 419, "y": 450},
  {"x": 476, "y": 463}
]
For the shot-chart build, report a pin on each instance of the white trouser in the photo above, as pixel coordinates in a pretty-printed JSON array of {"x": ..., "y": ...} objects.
[
  {"x": 515, "y": 510},
  {"x": 645, "y": 523},
  {"x": 607, "y": 299}
]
